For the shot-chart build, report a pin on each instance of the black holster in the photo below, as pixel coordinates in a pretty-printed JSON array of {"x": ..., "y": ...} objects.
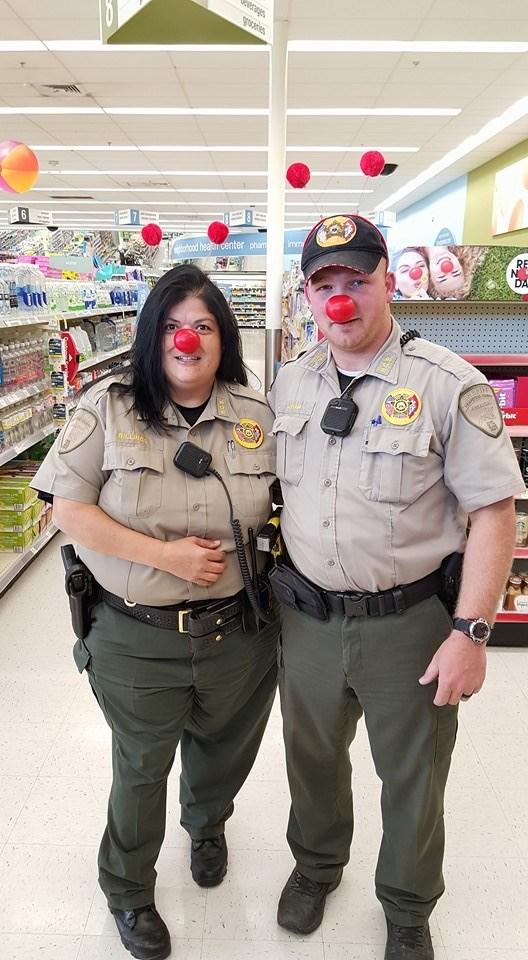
[
  {"x": 451, "y": 576},
  {"x": 290, "y": 587},
  {"x": 82, "y": 590}
]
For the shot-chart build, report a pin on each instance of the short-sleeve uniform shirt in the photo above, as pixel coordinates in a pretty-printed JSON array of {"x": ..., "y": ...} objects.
[
  {"x": 384, "y": 505},
  {"x": 106, "y": 455}
]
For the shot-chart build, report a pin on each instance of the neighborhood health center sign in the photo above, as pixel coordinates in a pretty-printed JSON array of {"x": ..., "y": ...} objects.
[
  {"x": 253, "y": 18},
  {"x": 239, "y": 245}
]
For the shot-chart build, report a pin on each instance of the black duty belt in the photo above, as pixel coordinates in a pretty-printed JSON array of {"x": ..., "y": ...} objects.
[
  {"x": 387, "y": 601},
  {"x": 219, "y": 618}
]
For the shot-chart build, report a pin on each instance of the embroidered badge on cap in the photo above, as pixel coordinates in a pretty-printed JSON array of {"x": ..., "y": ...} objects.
[
  {"x": 249, "y": 434},
  {"x": 478, "y": 405},
  {"x": 335, "y": 231},
  {"x": 401, "y": 406},
  {"x": 77, "y": 431}
]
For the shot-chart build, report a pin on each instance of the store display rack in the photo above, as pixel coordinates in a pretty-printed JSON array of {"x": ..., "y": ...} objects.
[
  {"x": 12, "y": 565},
  {"x": 26, "y": 443},
  {"x": 246, "y": 295}
]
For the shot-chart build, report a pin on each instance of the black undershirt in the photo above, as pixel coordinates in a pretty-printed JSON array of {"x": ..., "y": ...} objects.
[
  {"x": 191, "y": 414},
  {"x": 344, "y": 381}
]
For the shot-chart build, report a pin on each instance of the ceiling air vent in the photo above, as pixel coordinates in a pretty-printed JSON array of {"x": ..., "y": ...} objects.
[
  {"x": 58, "y": 89},
  {"x": 64, "y": 196}
]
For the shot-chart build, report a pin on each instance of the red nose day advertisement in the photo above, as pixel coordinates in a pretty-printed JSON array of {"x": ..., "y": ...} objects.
[{"x": 456, "y": 272}]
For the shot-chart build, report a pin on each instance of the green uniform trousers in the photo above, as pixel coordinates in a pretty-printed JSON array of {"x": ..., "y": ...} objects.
[
  {"x": 331, "y": 673},
  {"x": 155, "y": 688}
]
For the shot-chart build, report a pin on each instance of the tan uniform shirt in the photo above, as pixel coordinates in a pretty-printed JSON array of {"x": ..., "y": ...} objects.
[
  {"x": 107, "y": 456},
  {"x": 384, "y": 505}
]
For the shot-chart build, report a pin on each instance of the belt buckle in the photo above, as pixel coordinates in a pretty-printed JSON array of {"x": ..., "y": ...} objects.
[
  {"x": 181, "y": 614},
  {"x": 356, "y": 606}
]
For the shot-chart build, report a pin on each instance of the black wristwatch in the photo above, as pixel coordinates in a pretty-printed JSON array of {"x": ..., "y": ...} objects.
[{"x": 478, "y": 630}]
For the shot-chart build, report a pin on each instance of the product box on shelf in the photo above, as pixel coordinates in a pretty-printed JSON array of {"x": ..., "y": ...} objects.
[
  {"x": 16, "y": 521},
  {"x": 16, "y": 542},
  {"x": 15, "y": 493}
]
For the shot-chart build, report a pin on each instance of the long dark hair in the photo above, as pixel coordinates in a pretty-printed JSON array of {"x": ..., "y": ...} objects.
[{"x": 147, "y": 384}]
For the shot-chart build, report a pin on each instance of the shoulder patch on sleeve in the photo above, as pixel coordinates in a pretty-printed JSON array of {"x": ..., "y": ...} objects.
[
  {"x": 78, "y": 430},
  {"x": 478, "y": 405}
]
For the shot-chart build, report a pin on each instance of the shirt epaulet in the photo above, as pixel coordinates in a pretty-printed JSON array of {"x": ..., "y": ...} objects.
[
  {"x": 238, "y": 390},
  {"x": 439, "y": 356},
  {"x": 97, "y": 391}
]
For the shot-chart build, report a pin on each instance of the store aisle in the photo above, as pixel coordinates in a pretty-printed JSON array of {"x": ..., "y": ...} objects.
[{"x": 55, "y": 773}]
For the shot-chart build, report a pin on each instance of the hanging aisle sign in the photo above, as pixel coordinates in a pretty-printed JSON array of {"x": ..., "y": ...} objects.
[
  {"x": 186, "y": 21},
  {"x": 237, "y": 244},
  {"x": 246, "y": 218},
  {"x": 26, "y": 215},
  {"x": 134, "y": 218}
]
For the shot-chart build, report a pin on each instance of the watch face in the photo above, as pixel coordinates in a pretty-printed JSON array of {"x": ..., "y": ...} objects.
[{"x": 480, "y": 630}]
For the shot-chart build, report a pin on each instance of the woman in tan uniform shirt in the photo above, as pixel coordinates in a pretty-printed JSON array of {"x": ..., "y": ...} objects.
[{"x": 173, "y": 652}]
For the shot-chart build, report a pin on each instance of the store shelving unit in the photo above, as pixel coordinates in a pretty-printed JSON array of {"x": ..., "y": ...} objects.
[
  {"x": 246, "y": 295},
  {"x": 13, "y": 564},
  {"x": 26, "y": 443},
  {"x": 102, "y": 357}
]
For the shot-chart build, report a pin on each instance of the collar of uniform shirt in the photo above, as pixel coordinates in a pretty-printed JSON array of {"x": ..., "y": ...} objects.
[
  {"x": 385, "y": 365},
  {"x": 219, "y": 407}
]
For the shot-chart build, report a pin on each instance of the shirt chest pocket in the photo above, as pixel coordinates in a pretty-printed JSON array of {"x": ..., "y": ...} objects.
[
  {"x": 397, "y": 466},
  {"x": 251, "y": 475},
  {"x": 135, "y": 484},
  {"x": 291, "y": 432}
]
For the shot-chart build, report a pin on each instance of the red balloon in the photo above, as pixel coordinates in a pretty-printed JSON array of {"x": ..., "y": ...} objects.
[
  {"x": 372, "y": 163},
  {"x": 152, "y": 234},
  {"x": 298, "y": 175},
  {"x": 217, "y": 232},
  {"x": 341, "y": 308},
  {"x": 187, "y": 340},
  {"x": 416, "y": 273},
  {"x": 446, "y": 266}
]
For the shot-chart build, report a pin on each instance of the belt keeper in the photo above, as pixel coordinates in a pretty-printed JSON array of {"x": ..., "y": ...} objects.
[{"x": 399, "y": 601}]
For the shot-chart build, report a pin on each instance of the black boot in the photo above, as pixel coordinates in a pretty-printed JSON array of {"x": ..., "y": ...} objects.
[
  {"x": 143, "y": 932},
  {"x": 408, "y": 943},
  {"x": 302, "y": 902},
  {"x": 209, "y": 861}
]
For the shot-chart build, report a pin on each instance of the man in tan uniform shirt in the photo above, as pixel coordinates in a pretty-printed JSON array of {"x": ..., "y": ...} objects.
[{"x": 370, "y": 512}]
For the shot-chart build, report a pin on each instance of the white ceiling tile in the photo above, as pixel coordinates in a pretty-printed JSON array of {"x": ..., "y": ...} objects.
[
  {"x": 65, "y": 28},
  {"x": 57, "y": 9},
  {"x": 15, "y": 30}
]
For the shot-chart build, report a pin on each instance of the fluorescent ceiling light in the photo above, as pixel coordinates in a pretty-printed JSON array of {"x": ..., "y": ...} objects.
[
  {"x": 361, "y": 149},
  {"x": 157, "y": 172},
  {"x": 374, "y": 112},
  {"x": 188, "y": 173},
  {"x": 187, "y": 111},
  {"x": 20, "y": 46},
  {"x": 407, "y": 46},
  {"x": 185, "y": 190},
  {"x": 95, "y": 46},
  {"x": 516, "y": 112},
  {"x": 199, "y": 148},
  {"x": 236, "y": 111}
]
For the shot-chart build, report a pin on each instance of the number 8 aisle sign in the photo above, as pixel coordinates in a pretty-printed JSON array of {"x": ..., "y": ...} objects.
[{"x": 114, "y": 13}]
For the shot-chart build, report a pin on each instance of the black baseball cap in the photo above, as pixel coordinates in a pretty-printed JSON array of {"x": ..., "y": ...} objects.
[{"x": 346, "y": 240}]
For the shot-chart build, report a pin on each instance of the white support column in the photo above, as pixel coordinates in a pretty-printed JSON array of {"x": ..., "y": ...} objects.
[{"x": 278, "y": 80}]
